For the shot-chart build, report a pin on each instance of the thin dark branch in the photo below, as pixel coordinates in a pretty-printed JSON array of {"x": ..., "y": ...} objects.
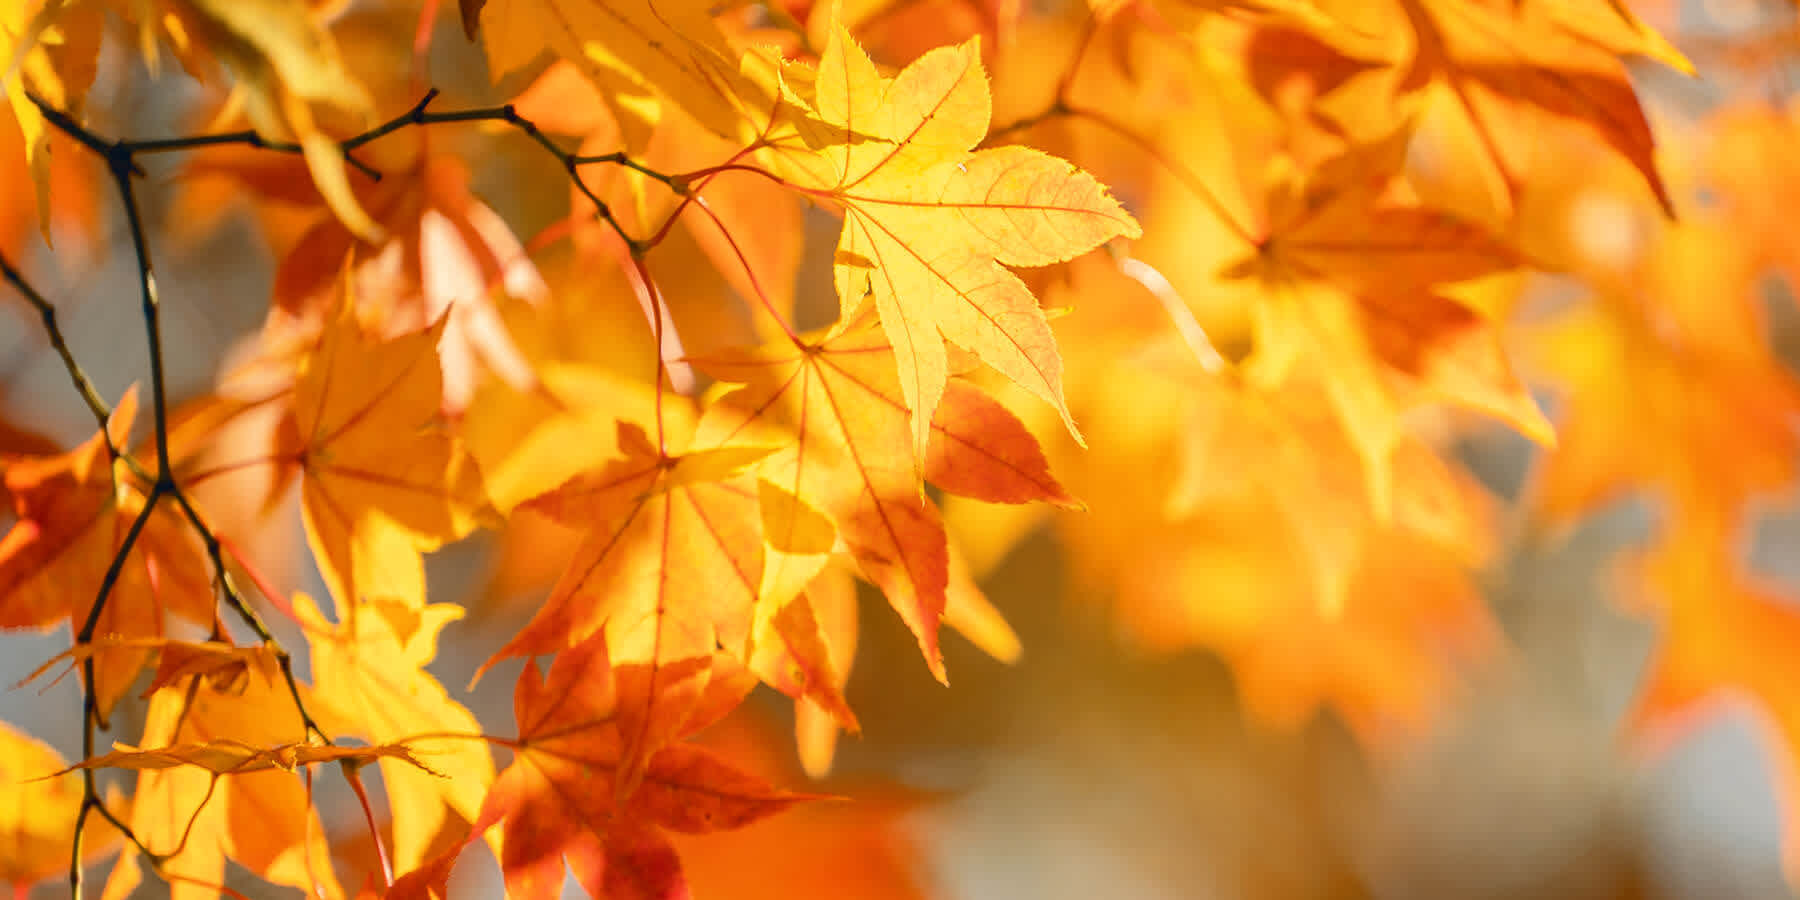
[
  {"x": 619, "y": 158},
  {"x": 122, "y": 163},
  {"x": 47, "y": 312},
  {"x": 247, "y": 138},
  {"x": 234, "y": 598},
  {"x": 417, "y": 115},
  {"x": 999, "y": 134},
  {"x": 571, "y": 163},
  {"x": 113, "y": 572},
  {"x": 119, "y": 159},
  {"x": 90, "y": 698},
  {"x": 67, "y": 125}
]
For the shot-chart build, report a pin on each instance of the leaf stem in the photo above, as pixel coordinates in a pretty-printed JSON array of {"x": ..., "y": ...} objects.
[
  {"x": 749, "y": 271},
  {"x": 362, "y": 796}
]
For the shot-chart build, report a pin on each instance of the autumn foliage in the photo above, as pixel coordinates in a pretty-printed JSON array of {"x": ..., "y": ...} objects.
[{"x": 703, "y": 315}]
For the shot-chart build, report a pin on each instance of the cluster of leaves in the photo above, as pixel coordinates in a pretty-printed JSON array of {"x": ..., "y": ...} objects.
[{"x": 1250, "y": 391}]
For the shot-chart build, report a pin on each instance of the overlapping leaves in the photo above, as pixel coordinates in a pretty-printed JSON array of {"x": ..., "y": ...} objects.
[
  {"x": 849, "y": 476},
  {"x": 586, "y": 787},
  {"x": 715, "y": 537},
  {"x": 930, "y": 225}
]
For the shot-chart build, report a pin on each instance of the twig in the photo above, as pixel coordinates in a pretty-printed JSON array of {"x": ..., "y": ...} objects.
[
  {"x": 121, "y": 162},
  {"x": 90, "y": 698},
  {"x": 353, "y": 775},
  {"x": 47, "y": 312},
  {"x": 507, "y": 114},
  {"x": 247, "y": 138},
  {"x": 121, "y": 157}
]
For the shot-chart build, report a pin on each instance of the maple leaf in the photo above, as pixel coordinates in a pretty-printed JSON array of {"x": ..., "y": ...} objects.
[
  {"x": 563, "y": 796},
  {"x": 221, "y": 666},
  {"x": 850, "y": 461},
  {"x": 447, "y": 254},
  {"x": 750, "y": 229},
  {"x": 638, "y": 53},
  {"x": 260, "y": 819},
  {"x": 668, "y": 571},
  {"x": 74, "y": 510},
  {"x": 292, "y": 73},
  {"x": 1238, "y": 519},
  {"x": 54, "y": 54},
  {"x": 1503, "y": 71},
  {"x": 384, "y": 479},
  {"x": 37, "y": 817},
  {"x": 861, "y": 849},
  {"x": 1668, "y": 385},
  {"x": 1326, "y": 600},
  {"x": 281, "y": 54},
  {"x": 1351, "y": 275},
  {"x": 930, "y": 226},
  {"x": 369, "y": 675}
]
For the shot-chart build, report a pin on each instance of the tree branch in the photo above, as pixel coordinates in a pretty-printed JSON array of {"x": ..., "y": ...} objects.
[
  {"x": 47, "y": 312},
  {"x": 121, "y": 157}
]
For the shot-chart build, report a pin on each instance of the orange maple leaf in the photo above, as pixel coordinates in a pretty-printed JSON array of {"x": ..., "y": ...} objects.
[
  {"x": 221, "y": 666},
  {"x": 1669, "y": 385},
  {"x": 1505, "y": 71},
  {"x": 279, "y": 50},
  {"x": 668, "y": 570},
  {"x": 668, "y": 529},
  {"x": 38, "y": 812},
  {"x": 54, "y": 54},
  {"x": 1350, "y": 276},
  {"x": 850, "y": 469},
  {"x": 1315, "y": 597},
  {"x": 74, "y": 511},
  {"x": 261, "y": 819},
  {"x": 564, "y": 795},
  {"x": 446, "y": 256},
  {"x": 384, "y": 479},
  {"x": 1239, "y": 519},
  {"x": 288, "y": 63},
  {"x": 749, "y": 229}
]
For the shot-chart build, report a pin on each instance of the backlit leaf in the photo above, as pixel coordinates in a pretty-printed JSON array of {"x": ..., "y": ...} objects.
[{"x": 930, "y": 226}]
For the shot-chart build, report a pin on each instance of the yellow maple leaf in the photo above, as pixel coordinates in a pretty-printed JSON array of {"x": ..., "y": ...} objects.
[
  {"x": 369, "y": 675},
  {"x": 289, "y": 67},
  {"x": 260, "y": 819},
  {"x": 38, "y": 811},
  {"x": 53, "y": 52},
  {"x": 930, "y": 226},
  {"x": 73, "y": 512},
  {"x": 384, "y": 479},
  {"x": 638, "y": 53}
]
